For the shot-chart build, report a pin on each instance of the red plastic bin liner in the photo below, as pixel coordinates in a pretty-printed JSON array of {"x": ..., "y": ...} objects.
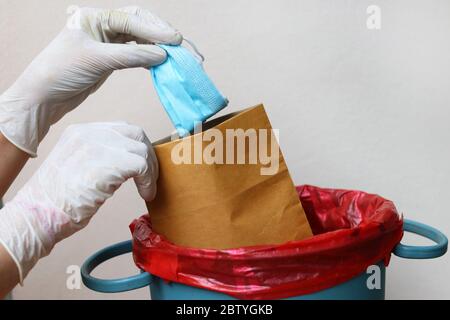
[{"x": 352, "y": 230}]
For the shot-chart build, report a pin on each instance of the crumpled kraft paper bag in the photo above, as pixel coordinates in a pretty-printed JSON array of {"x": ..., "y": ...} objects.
[{"x": 230, "y": 204}]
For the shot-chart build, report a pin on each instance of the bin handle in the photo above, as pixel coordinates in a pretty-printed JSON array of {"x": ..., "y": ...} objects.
[
  {"x": 115, "y": 285},
  {"x": 422, "y": 252}
]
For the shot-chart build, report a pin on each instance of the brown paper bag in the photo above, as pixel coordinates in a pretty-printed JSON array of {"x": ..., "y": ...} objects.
[{"x": 243, "y": 200}]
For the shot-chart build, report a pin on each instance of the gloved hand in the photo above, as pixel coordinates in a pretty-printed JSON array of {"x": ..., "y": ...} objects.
[
  {"x": 86, "y": 167},
  {"x": 93, "y": 44}
]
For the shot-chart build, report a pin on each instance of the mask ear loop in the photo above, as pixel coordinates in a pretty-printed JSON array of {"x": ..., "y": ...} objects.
[{"x": 194, "y": 50}]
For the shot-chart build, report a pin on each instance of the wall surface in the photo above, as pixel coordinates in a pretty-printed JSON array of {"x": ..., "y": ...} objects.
[{"x": 356, "y": 108}]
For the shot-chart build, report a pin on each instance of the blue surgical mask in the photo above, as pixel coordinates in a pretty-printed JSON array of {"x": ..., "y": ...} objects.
[{"x": 185, "y": 90}]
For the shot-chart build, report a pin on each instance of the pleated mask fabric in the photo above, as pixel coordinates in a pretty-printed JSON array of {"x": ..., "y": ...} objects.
[{"x": 185, "y": 90}]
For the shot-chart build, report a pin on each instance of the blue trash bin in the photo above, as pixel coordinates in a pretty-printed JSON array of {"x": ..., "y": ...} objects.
[{"x": 354, "y": 289}]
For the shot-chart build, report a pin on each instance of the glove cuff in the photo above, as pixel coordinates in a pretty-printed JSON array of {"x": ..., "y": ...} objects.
[
  {"x": 30, "y": 226},
  {"x": 19, "y": 237},
  {"x": 19, "y": 145},
  {"x": 19, "y": 123}
]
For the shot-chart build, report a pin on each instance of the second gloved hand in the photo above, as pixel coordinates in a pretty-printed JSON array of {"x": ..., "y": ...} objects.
[
  {"x": 94, "y": 43},
  {"x": 86, "y": 167}
]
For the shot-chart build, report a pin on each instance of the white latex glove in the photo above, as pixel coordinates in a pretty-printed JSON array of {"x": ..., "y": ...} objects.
[
  {"x": 86, "y": 167},
  {"x": 93, "y": 44}
]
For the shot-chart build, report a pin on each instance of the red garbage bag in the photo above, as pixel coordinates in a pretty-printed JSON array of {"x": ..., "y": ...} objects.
[{"x": 352, "y": 230}]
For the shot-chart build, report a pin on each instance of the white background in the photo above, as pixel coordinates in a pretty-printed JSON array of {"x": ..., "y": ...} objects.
[{"x": 356, "y": 108}]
